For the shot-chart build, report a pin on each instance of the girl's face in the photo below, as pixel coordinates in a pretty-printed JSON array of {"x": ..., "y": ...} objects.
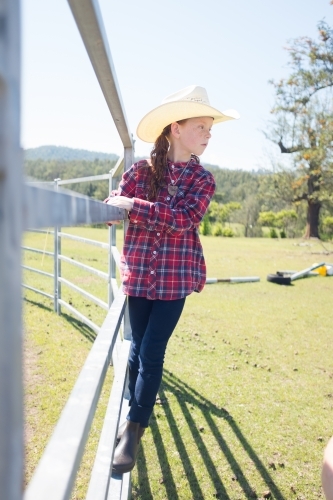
[{"x": 193, "y": 134}]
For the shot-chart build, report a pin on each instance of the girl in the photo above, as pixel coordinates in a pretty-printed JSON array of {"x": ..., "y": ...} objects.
[{"x": 162, "y": 262}]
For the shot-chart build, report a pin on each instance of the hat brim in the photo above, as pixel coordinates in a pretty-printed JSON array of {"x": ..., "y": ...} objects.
[{"x": 152, "y": 124}]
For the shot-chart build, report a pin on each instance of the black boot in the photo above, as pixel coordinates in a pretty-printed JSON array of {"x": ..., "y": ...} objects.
[
  {"x": 126, "y": 452},
  {"x": 121, "y": 429}
]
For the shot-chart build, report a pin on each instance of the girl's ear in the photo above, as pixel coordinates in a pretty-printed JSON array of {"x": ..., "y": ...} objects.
[{"x": 175, "y": 129}]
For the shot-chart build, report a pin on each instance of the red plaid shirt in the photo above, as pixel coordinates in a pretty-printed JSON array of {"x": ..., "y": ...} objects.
[{"x": 162, "y": 255}]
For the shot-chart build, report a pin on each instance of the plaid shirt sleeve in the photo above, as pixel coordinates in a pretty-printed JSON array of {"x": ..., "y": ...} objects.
[{"x": 185, "y": 215}]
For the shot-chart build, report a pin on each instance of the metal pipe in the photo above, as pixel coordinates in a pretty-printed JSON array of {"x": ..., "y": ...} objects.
[
  {"x": 88, "y": 295},
  {"x": 90, "y": 25},
  {"x": 56, "y": 262},
  {"x": 48, "y": 295},
  {"x": 43, "y": 231},
  {"x": 101, "y": 274},
  {"x": 128, "y": 161},
  {"x": 55, "y": 474},
  {"x": 306, "y": 271},
  {"x": 36, "y": 250},
  {"x": 118, "y": 168},
  {"x": 111, "y": 235},
  {"x": 11, "y": 210},
  {"x": 84, "y": 240},
  {"x": 101, "y": 177},
  {"x": 34, "y": 270},
  {"x": 46, "y": 208}
]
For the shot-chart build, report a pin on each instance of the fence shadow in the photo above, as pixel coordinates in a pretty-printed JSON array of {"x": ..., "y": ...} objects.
[
  {"x": 83, "y": 329},
  {"x": 187, "y": 397}
]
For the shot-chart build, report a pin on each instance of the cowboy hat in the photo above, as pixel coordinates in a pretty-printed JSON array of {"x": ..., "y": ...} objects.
[{"x": 191, "y": 102}]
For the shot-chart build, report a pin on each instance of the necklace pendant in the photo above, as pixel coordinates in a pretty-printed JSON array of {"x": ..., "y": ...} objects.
[{"x": 172, "y": 190}]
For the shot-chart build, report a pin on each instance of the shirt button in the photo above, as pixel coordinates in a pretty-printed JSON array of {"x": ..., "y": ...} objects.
[
  {"x": 172, "y": 166},
  {"x": 168, "y": 198},
  {"x": 151, "y": 272},
  {"x": 158, "y": 234},
  {"x": 154, "y": 252},
  {"x": 135, "y": 221}
]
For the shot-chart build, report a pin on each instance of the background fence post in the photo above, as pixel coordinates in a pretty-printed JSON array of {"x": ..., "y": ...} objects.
[
  {"x": 11, "y": 218},
  {"x": 128, "y": 161},
  {"x": 57, "y": 261},
  {"x": 112, "y": 241}
]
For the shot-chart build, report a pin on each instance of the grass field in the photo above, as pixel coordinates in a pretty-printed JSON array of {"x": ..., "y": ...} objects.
[{"x": 245, "y": 407}]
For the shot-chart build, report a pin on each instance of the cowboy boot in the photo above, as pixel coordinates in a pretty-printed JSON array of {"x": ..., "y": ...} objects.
[
  {"x": 121, "y": 429},
  {"x": 126, "y": 452}
]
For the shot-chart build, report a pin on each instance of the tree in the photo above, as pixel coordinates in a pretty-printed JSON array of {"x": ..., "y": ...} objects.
[
  {"x": 267, "y": 219},
  {"x": 303, "y": 122},
  {"x": 221, "y": 213}
]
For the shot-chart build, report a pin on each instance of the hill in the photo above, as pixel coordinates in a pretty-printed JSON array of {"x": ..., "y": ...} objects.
[{"x": 62, "y": 153}]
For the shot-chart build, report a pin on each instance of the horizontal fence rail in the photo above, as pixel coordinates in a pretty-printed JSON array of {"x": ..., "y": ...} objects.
[
  {"x": 46, "y": 207},
  {"x": 86, "y": 294},
  {"x": 37, "y": 290},
  {"x": 84, "y": 240},
  {"x": 90, "y": 178},
  {"x": 90, "y": 269},
  {"x": 37, "y": 250},
  {"x": 38, "y": 271}
]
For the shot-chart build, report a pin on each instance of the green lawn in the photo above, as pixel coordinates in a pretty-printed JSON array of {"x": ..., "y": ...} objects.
[{"x": 246, "y": 401}]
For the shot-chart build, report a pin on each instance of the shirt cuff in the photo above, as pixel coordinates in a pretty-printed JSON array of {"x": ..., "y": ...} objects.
[{"x": 140, "y": 211}]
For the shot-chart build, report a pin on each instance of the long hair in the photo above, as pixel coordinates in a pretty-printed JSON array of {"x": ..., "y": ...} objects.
[{"x": 159, "y": 158}]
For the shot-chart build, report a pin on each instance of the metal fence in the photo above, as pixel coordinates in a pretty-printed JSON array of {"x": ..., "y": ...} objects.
[
  {"x": 31, "y": 206},
  {"x": 58, "y": 257}
]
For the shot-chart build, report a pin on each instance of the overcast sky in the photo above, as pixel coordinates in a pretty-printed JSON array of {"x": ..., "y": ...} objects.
[{"x": 230, "y": 47}]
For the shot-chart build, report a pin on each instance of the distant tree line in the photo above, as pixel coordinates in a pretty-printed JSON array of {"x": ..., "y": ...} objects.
[
  {"x": 48, "y": 170},
  {"x": 244, "y": 203}
]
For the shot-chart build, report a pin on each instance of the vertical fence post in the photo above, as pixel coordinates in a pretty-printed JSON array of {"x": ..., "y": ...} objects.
[
  {"x": 57, "y": 262},
  {"x": 128, "y": 161},
  {"x": 11, "y": 215},
  {"x": 112, "y": 241}
]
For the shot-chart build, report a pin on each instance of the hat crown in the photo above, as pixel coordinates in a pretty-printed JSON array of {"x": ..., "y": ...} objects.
[{"x": 193, "y": 93}]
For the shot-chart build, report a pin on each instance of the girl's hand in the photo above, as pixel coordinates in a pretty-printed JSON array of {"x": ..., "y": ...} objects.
[
  {"x": 114, "y": 221},
  {"x": 121, "y": 202}
]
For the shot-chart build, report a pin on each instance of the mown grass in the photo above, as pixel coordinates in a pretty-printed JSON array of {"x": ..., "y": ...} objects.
[{"x": 245, "y": 407}]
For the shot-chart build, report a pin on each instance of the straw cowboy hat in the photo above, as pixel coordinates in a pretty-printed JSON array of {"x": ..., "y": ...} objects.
[{"x": 190, "y": 102}]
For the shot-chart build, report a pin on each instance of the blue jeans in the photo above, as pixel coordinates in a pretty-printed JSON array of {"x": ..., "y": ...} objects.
[{"x": 152, "y": 323}]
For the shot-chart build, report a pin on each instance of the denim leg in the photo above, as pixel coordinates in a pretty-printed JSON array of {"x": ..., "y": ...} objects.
[
  {"x": 139, "y": 309},
  {"x": 163, "y": 318}
]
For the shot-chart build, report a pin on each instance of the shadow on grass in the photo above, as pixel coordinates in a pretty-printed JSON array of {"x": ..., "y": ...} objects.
[
  {"x": 38, "y": 304},
  {"x": 81, "y": 327},
  {"x": 186, "y": 396},
  {"x": 76, "y": 323}
]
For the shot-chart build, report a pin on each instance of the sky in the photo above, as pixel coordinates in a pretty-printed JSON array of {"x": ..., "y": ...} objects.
[{"x": 230, "y": 47}]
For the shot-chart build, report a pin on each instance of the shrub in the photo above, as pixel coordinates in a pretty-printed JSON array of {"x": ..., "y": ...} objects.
[
  {"x": 205, "y": 226},
  {"x": 327, "y": 225},
  {"x": 283, "y": 234},
  {"x": 227, "y": 232},
  {"x": 273, "y": 233},
  {"x": 217, "y": 230}
]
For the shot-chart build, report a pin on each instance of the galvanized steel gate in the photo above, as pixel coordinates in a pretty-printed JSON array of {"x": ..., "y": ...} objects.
[{"x": 22, "y": 207}]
